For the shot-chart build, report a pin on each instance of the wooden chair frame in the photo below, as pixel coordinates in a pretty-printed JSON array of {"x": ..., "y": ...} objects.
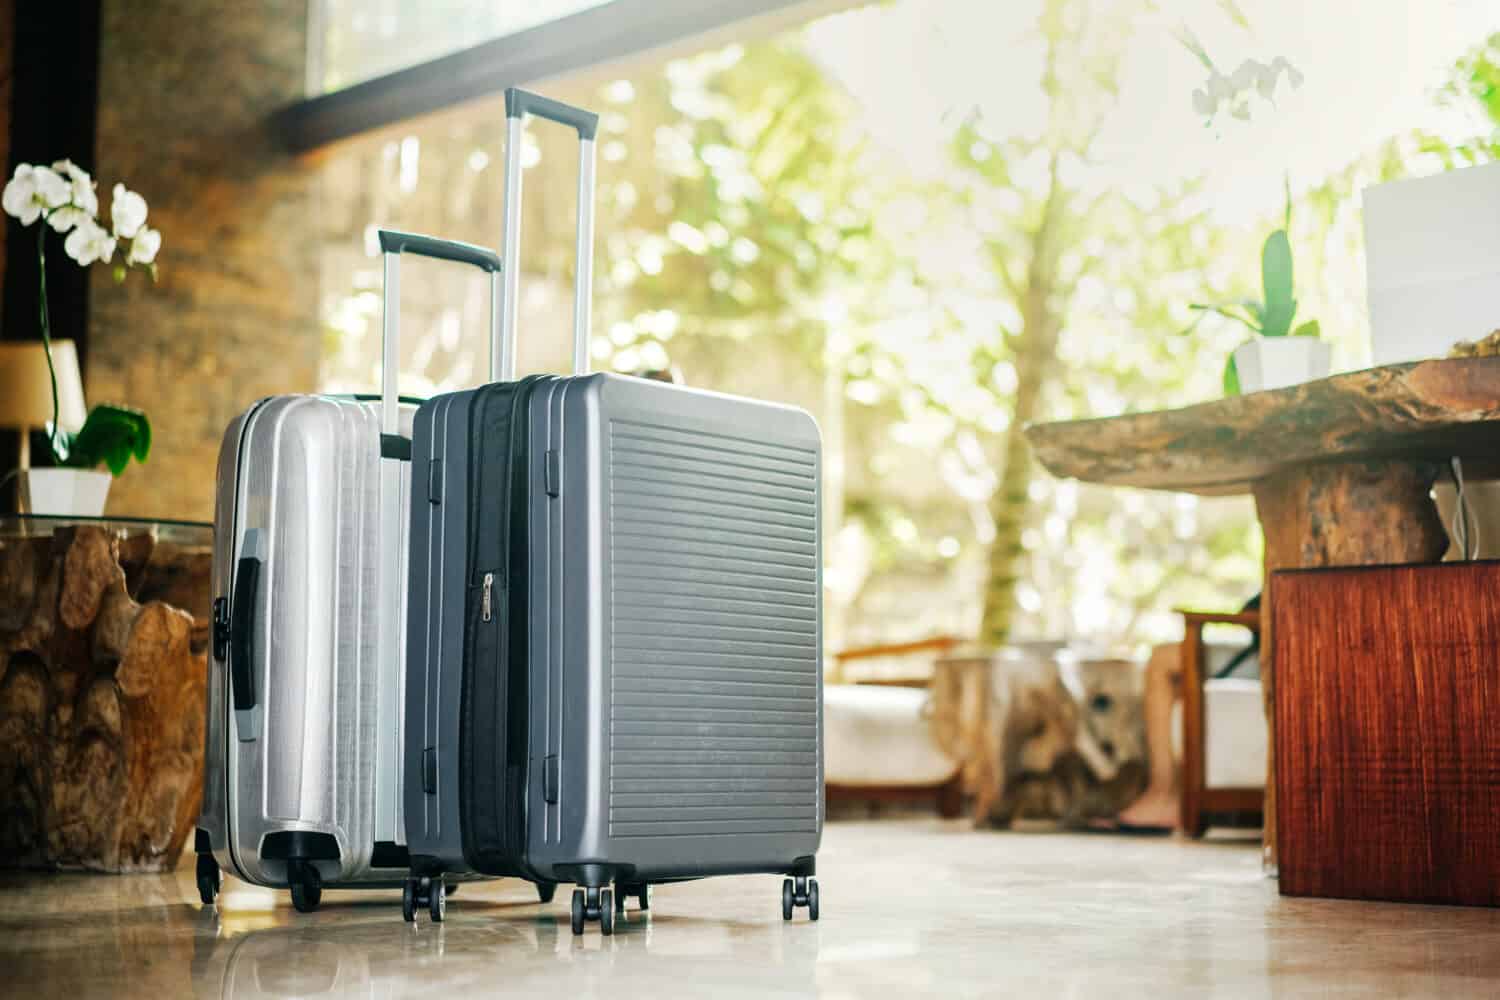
[
  {"x": 1200, "y": 803},
  {"x": 948, "y": 796}
]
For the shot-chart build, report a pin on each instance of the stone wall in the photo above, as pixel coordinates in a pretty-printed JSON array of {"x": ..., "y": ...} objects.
[{"x": 186, "y": 91}]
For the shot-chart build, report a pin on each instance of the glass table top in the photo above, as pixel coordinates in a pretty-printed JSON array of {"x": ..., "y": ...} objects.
[{"x": 163, "y": 529}]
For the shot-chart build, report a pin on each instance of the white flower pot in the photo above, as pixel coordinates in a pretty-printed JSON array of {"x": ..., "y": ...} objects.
[
  {"x": 68, "y": 492},
  {"x": 1277, "y": 362}
]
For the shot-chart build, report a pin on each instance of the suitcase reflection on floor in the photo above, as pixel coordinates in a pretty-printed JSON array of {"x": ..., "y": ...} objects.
[{"x": 358, "y": 951}]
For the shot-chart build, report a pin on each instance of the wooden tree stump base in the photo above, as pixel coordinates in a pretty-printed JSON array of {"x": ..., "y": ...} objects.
[{"x": 101, "y": 698}]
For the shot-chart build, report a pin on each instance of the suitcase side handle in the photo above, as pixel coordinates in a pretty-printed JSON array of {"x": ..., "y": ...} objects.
[
  {"x": 518, "y": 104},
  {"x": 241, "y": 632}
]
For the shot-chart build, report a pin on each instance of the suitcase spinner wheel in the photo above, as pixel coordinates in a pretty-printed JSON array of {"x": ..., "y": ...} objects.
[
  {"x": 409, "y": 900},
  {"x": 428, "y": 892},
  {"x": 209, "y": 879},
  {"x": 306, "y": 885},
  {"x": 801, "y": 891},
  {"x": 594, "y": 903},
  {"x": 639, "y": 891}
]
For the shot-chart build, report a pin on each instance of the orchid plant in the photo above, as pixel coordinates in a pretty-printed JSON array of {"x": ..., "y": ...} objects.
[
  {"x": 63, "y": 199},
  {"x": 1234, "y": 92},
  {"x": 1273, "y": 314}
]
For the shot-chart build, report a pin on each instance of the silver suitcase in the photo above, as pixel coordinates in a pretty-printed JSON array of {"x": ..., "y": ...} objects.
[
  {"x": 302, "y": 781},
  {"x": 615, "y": 636}
]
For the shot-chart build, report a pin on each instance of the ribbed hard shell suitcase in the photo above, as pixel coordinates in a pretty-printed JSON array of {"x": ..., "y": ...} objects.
[
  {"x": 302, "y": 775},
  {"x": 614, "y": 640}
]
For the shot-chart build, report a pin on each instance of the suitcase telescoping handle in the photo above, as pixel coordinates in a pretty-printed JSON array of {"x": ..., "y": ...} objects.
[
  {"x": 392, "y": 245},
  {"x": 519, "y": 104}
]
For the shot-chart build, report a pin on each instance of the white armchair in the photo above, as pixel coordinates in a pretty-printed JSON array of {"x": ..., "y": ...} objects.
[{"x": 878, "y": 743}]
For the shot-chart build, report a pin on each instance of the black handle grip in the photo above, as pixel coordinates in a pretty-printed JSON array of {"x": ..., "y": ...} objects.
[
  {"x": 392, "y": 241},
  {"x": 520, "y": 102},
  {"x": 241, "y": 630}
]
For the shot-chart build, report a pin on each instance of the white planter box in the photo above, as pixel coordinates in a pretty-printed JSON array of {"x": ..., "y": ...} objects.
[
  {"x": 68, "y": 492},
  {"x": 1432, "y": 262},
  {"x": 1277, "y": 362}
]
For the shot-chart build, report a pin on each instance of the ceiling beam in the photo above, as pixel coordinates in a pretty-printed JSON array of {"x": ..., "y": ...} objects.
[{"x": 610, "y": 33}]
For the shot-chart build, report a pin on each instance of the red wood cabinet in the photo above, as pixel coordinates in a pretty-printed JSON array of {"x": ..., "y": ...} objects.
[{"x": 1387, "y": 702}]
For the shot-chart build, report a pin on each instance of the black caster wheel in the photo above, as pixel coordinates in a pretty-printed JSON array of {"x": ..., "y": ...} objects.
[
  {"x": 638, "y": 891},
  {"x": 545, "y": 891},
  {"x": 209, "y": 879},
  {"x": 578, "y": 911},
  {"x": 307, "y": 887},
  {"x": 788, "y": 900},
  {"x": 812, "y": 899},
  {"x": 607, "y": 912},
  {"x": 409, "y": 900},
  {"x": 437, "y": 901}
]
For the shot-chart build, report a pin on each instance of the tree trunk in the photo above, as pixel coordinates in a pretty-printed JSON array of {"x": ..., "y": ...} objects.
[
  {"x": 101, "y": 699},
  {"x": 1035, "y": 352}
]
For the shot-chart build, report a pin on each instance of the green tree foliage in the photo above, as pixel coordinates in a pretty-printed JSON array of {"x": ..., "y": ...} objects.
[
  {"x": 747, "y": 233},
  {"x": 1070, "y": 254}
]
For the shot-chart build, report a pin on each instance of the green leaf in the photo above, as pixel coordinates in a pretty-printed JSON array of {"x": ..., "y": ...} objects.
[
  {"x": 1276, "y": 280},
  {"x": 1231, "y": 378},
  {"x": 1253, "y": 320},
  {"x": 111, "y": 436},
  {"x": 1189, "y": 41},
  {"x": 1308, "y": 329}
]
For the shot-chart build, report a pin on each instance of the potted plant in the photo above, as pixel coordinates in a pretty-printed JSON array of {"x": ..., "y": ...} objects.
[
  {"x": 62, "y": 198},
  {"x": 1280, "y": 355}
]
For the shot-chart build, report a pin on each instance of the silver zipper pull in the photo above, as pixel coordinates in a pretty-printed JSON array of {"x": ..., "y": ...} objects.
[{"x": 484, "y": 603}]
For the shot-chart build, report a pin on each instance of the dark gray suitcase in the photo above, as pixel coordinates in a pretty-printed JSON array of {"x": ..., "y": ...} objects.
[{"x": 614, "y": 631}]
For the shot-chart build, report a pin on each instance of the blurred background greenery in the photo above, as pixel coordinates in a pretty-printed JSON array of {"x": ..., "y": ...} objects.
[{"x": 931, "y": 224}]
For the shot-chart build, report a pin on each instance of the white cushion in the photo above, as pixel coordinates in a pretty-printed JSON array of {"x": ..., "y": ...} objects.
[
  {"x": 1235, "y": 736},
  {"x": 879, "y": 736}
]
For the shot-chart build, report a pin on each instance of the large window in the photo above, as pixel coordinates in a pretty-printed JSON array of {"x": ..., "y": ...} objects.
[
  {"x": 355, "y": 40},
  {"x": 910, "y": 218}
]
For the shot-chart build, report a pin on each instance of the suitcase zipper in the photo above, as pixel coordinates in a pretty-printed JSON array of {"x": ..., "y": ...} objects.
[{"x": 484, "y": 601}]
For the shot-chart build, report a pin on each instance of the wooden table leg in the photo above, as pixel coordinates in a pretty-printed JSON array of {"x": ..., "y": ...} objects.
[{"x": 1339, "y": 514}]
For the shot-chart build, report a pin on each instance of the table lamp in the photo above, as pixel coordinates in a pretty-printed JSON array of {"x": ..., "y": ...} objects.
[{"x": 26, "y": 390}]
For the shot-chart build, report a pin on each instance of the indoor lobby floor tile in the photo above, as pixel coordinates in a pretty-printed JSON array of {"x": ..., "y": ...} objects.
[{"x": 909, "y": 907}]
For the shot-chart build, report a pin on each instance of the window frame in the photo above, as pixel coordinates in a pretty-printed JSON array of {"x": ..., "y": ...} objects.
[{"x": 596, "y": 37}]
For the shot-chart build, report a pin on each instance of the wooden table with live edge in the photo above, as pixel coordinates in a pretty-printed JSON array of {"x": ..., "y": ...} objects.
[{"x": 1341, "y": 468}]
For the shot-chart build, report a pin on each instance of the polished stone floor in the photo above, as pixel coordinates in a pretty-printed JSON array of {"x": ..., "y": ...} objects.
[{"x": 909, "y": 907}]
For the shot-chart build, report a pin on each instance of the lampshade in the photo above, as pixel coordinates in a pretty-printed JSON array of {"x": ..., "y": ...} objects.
[{"x": 26, "y": 392}]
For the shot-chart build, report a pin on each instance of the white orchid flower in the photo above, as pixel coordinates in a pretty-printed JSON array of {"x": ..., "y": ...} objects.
[
  {"x": 80, "y": 184},
  {"x": 19, "y": 198},
  {"x": 1220, "y": 87},
  {"x": 145, "y": 245},
  {"x": 51, "y": 190},
  {"x": 1293, "y": 74},
  {"x": 128, "y": 212},
  {"x": 89, "y": 242},
  {"x": 1250, "y": 74},
  {"x": 65, "y": 218},
  {"x": 1204, "y": 104}
]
